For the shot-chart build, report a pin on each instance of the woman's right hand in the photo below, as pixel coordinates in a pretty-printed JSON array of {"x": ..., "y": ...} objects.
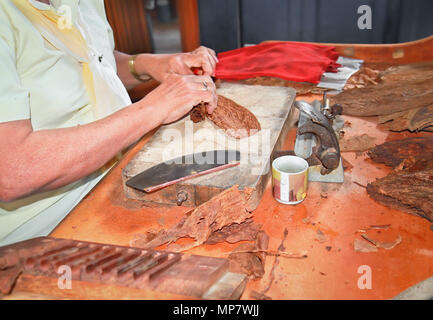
[{"x": 178, "y": 94}]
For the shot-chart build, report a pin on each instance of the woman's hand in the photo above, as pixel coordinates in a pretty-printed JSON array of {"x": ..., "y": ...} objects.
[
  {"x": 161, "y": 66},
  {"x": 178, "y": 94}
]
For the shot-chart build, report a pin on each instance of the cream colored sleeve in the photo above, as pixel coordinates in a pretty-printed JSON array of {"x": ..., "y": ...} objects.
[
  {"x": 14, "y": 99},
  {"x": 103, "y": 14},
  {"x": 110, "y": 35}
]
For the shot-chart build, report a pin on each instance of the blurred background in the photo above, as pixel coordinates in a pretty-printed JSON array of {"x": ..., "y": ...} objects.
[{"x": 164, "y": 26}]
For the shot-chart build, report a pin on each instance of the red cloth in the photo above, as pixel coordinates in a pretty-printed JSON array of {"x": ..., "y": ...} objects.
[{"x": 293, "y": 61}]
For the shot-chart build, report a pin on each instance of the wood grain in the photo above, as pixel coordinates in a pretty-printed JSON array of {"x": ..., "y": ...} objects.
[
  {"x": 129, "y": 24},
  {"x": 395, "y": 54},
  {"x": 189, "y": 24}
]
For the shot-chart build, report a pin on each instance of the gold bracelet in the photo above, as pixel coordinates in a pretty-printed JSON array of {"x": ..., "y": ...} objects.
[{"x": 131, "y": 64}]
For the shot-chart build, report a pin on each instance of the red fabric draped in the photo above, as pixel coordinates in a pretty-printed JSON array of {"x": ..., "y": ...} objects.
[{"x": 293, "y": 61}]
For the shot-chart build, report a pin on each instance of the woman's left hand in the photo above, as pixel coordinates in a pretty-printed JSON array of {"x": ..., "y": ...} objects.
[{"x": 160, "y": 66}]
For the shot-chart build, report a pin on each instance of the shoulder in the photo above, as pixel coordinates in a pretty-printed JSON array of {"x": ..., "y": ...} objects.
[
  {"x": 9, "y": 12},
  {"x": 10, "y": 18},
  {"x": 95, "y": 6}
]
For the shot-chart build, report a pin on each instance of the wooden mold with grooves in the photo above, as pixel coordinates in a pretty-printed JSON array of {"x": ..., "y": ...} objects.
[{"x": 61, "y": 268}]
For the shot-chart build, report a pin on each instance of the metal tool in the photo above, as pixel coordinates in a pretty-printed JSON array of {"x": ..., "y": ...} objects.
[
  {"x": 327, "y": 149},
  {"x": 183, "y": 168},
  {"x": 317, "y": 141}
]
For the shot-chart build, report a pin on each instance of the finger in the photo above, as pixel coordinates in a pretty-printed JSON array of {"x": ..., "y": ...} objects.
[
  {"x": 210, "y": 108},
  {"x": 201, "y": 86},
  {"x": 200, "y": 78},
  {"x": 213, "y": 104},
  {"x": 178, "y": 66},
  {"x": 207, "y": 97},
  {"x": 213, "y": 71},
  {"x": 212, "y": 62},
  {"x": 200, "y": 61},
  {"x": 205, "y": 50},
  {"x": 208, "y": 50},
  {"x": 192, "y": 86},
  {"x": 213, "y": 55},
  {"x": 210, "y": 96},
  {"x": 210, "y": 85},
  {"x": 206, "y": 65}
]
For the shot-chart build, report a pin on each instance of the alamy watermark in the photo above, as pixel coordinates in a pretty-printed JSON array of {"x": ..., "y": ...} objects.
[
  {"x": 365, "y": 21},
  {"x": 65, "y": 277},
  {"x": 365, "y": 280}
]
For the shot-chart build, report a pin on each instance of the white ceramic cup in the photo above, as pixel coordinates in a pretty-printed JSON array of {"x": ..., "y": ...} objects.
[{"x": 289, "y": 179}]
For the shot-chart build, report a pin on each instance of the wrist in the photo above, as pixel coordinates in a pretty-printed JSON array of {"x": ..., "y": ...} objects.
[
  {"x": 137, "y": 68},
  {"x": 155, "y": 65}
]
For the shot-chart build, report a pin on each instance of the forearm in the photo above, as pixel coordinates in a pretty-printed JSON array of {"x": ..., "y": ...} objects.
[
  {"x": 49, "y": 159},
  {"x": 160, "y": 66}
]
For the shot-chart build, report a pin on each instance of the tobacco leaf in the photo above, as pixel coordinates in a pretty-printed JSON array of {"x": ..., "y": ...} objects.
[
  {"x": 259, "y": 296},
  {"x": 357, "y": 143},
  {"x": 234, "y": 119},
  {"x": 409, "y": 190},
  {"x": 226, "y": 208},
  {"x": 416, "y": 119},
  {"x": 262, "y": 242},
  {"x": 347, "y": 166},
  {"x": 249, "y": 258},
  {"x": 246, "y": 262},
  {"x": 384, "y": 245},
  {"x": 198, "y": 113},
  {"x": 364, "y": 246},
  {"x": 400, "y": 89},
  {"x": 275, "y": 264},
  {"x": 408, "y": 72},
  {"x": 393, "y": 153},
  {"x": 245, "y": 231},
  {"x": 363, "y": 78}
]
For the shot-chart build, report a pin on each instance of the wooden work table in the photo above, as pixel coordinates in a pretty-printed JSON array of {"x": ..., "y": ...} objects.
[{"x": 339, "y": 211}]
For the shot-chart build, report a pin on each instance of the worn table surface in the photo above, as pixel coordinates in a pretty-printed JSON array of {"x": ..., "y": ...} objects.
[{"x": 339, "y": 211}]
